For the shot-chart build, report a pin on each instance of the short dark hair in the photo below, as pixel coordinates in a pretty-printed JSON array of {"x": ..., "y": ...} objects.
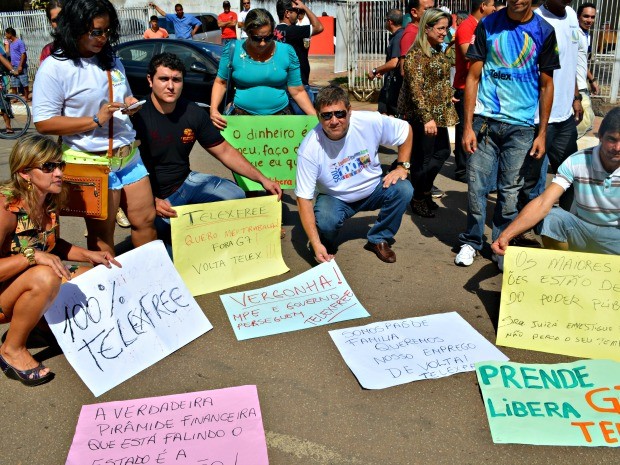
[
  {"x": 178, "y": 5},
  {"x": 154, "y": 18},
  {"x": 225, "y": 4},
  {"x": 610, "y": 123},
  {"x": 475, "y": 4},
  {"x": 282, "y": 6},
  {"x": 75, "y": 20},
  {"x": 52, "y": 4},
  {"x": 11, "y": 31},
  {"x": 168, "y": 60},
  {"x": 462, "y": 14},
  {"x": 331, "y": 95},
  {"x": 411, "y": 4},
  {"x": 395, "y": 16},
  {"x": 583, "y": 6}
]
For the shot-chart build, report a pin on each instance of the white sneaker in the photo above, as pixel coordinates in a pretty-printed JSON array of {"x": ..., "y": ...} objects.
[
  {"x": 499, "y": 259},
  {"x": 466, "y": 255}
]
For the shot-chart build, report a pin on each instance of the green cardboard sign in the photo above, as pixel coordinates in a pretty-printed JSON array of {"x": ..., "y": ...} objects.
[
  {"x": 565, "y": 404},
  {"x": 270, "y": 143}
]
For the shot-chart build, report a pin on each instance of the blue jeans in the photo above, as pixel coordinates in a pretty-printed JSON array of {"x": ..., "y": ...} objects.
[
  {"x": 331, "y": 213},
  {"x": 197, "y": 188},
  {"x": 561, "y": 142},
  {"x": 508, "y": 146},
  {"x": 579, "y": 234},
  {"x": 311, "y": 95}
]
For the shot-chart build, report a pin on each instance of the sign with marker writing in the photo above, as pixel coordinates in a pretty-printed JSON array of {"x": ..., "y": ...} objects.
[
  {"x": 114, "y": 323},
  {"x": 566, "y": 404},
  {"x": 270, "y": 143},
  {"x": 561, "y": 302},
  {"x": 219, "y": 427},
  {"x": 224, "y": 244},
  {"x": 318, "y": 297},
  {"x": 389, "y": 353}
]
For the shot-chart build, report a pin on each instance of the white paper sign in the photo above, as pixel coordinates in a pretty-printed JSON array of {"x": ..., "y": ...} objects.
[
  {"x": 317, "y": 297},
  {"x": 114, "y": 323},
  {"x": 389, "y": 353}
]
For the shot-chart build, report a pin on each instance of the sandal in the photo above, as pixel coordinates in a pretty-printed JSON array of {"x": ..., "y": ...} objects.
[
  {"x": 29, "y": 377},
  {"x": 9, "y": 131}
]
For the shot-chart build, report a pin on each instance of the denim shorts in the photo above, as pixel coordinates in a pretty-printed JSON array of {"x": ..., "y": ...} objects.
[
  {"x": 19, "y": 79},
  {"x": 580, "y": 235},
  {"x": 129, "y": 174}
]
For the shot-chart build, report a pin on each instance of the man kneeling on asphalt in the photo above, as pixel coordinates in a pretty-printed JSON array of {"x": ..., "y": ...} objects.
[
  {"x": 595, "y": 174},
  {"x": 339, "y": 158},
  {"x": 168, "y": 126}
]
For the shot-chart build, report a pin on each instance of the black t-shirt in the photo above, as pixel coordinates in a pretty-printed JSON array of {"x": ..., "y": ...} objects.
[
  {"x": 167, "y": 141},
  {"x": 294, "y": 36}
]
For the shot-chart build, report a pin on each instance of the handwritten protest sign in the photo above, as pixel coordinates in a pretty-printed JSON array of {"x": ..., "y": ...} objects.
[
  {"x": 561, "y": 302},
  {"x": 223, "y": 244},
  {"x": 317, "y": 297},
  {"x": 270, "y": 143},
  {"x": 220, "y": 427},
  {"x": 389, "y": 353},
  {"x": 114, "y": 323},
  {"x": 567, "y": 404}
]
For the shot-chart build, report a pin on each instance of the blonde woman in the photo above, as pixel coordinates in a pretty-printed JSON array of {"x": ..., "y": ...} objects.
[
  {"x": 426, "y": 102},
  {"x": 31, "y": 269}
]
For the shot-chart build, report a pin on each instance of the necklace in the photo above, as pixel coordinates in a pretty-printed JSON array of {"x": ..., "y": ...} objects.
[{"x": 261, "y": 56}]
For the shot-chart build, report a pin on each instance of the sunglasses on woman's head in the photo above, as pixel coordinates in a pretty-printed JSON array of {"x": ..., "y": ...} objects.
[
  {"x": 96, "y": 33},
  {"x": 50, "y": 166},
  {"x": 340, "y": 114},
  {"x": 259, "y": 39}
]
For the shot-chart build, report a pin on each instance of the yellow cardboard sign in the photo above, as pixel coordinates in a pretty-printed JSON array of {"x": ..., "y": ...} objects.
[
  {"x": 219, "y": 245},
  {"x": 561, "y": 302}
]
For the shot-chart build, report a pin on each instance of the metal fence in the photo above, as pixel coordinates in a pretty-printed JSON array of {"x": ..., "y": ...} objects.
[
  {"x": 366, "y": 41},
  {"x": 33, "y": 28}
]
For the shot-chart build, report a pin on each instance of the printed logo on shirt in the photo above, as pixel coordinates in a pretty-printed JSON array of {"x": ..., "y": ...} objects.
[
  {"x": 118, "y": 78},
  {"x": 188, "y": 136},
  {"x": 350, "y": 166}
]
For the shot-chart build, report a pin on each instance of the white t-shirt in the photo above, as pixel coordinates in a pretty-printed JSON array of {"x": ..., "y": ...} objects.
[
  {"x": 567, "y": 34},
  {"x": 348, "y": 169},
  {"x": 582, "y": 60},
  {"x": 62, "y": 88},
  {"x": 241, "y": 19}
]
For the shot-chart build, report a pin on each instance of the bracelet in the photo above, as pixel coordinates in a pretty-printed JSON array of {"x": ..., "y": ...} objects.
[{"x": 96, "y": 120}]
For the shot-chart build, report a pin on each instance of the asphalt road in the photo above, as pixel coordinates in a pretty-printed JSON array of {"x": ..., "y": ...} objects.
[{"x": 314, "y": 411}]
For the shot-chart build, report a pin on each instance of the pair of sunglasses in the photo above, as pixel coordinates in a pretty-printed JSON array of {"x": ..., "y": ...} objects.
[
  {"x": 50, "y": 166},
  {"x": 96, "y": 33},
  {"x": 259, "y": 39},
  {"x": 327, "y": 115}
]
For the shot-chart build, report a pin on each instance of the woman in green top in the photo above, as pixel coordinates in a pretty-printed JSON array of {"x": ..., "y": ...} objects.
[{"x": 262, "y": 70}]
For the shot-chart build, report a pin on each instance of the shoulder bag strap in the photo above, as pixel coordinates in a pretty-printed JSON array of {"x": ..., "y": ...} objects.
[
  {"x": 231, "y": 54},
  {"x": 111, "y": 121}
]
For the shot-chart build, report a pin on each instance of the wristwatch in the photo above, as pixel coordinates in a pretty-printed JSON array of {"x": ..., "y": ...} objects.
[
  {"x": 404, "y": 164},
  {"x": 374, "y": 71},
  {"x": 96, "y": 120},
  {"x": 578, "y": 97},
  {"x": 28, "y": 252}
]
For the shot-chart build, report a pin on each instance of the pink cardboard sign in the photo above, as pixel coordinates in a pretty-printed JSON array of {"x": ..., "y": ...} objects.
[{"x": 219, "y": 427}]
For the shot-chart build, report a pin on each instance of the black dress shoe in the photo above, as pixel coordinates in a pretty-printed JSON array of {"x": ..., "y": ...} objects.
[{"x": 382, "y": 250}]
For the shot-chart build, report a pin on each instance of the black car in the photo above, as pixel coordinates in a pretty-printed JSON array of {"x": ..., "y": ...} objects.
[{"x": 201, "y": 60}]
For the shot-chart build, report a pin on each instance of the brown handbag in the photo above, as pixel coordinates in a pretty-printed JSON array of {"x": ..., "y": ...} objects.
[{"x": 87, "y": 185}]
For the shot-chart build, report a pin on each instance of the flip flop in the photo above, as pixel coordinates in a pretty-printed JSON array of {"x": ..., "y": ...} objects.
[
  {"x": 29, "y": 377},
  {"x": 9, "y": 131}
]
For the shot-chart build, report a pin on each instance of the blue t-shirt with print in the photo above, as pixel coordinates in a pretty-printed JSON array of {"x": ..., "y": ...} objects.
[{"x": 514, "y": 54}]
